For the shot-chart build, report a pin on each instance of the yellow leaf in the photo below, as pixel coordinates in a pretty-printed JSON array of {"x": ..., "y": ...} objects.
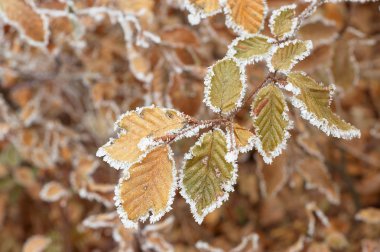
[
  {"x": 270, "y": 119},
  {"x": 147, "y": 189},
  {"x": 206, "y": 177},
  {"x": 145, "y": 123},
  {"x": 36, "y": 243},
  {"x": 245, "y": 16},
  {"x": 288, "y": 54},
  {"x": 206, "y": 6},
  {"x": 369, "y": 215},
  {"x": 250, "y": 49},
  {"x": 26, "y": 20},
  {"x": 243, "y": 137},
  {"x": 225, "y": 86},
  {"x": 313, "y": 100},
  {"x": 282, "y": 23},
  {"x": 201, "y": 9}
]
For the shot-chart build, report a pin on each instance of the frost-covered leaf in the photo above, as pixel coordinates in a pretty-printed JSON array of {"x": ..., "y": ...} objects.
[
  {"x": 369, "y": 215},
  {"x": 250, "y": 49},
  {"x": 270, "y": 119},
  {"x": 317, "y": 176},
  {"x": 201, "y": 9},
  {"x": 288, "y": 54},
  {"x": 344, "y": 67},
  {"x": 225, "y": 86},
  {"x": 243, "y": 137},
  {"x": 206, "y": 177},
  {"x": 103, "y": 220},
  {"x": 283, "y": 22},
  {"x": 320, "y": 31},
  {"x": 53, "y": 191},
  {"x": 21, "y": 15},
  {"x": 245, "y": 16},
  {"x": 36, "y": 243},
  {"x": 137, "y": 131},
  {"x": 273, "y": 177},
  {"x": 249, "y": 243},
  {"x": 147, "y": 189},
  {"x": 313, "y": 100}
]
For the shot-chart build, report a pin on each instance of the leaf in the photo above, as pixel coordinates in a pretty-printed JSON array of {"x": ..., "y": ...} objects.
[
  {"x": 225, "y": 86},
  {"x": 317, "y": 176},
  {"x": 250, "y": 49},
  {"x": 245, "y": 16},
  {"x": 283, "y": 22},
  {"x": 314, "y": 102},
  {"x": 103, "y": 220},
  {"x": 344, "y": 67},
  {"x": 201, "y": 9},
  {"x": 147, "y": 189},
  {"x": 21, "y": 15},
  {"x": 369, "y": 215},
  {"x": 273, "y": 177},
  {"x": 321, "y": 31},
  {"x": 288, "y": 54},
  {"x": 206, "y": 177},
  {"x": 270, "y": 119},
  {"x": 52, "y": 192},
  {"x": 243, "y": 137},
  {"x": 36, "y": 243},
  {"x": 142, "y": 124}
]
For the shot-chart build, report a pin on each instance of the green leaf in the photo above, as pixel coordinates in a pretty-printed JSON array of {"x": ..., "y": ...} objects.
[
  {"x": 288, "y": 54},
  {"x": 225, "y": 86},
  {"x": 250, "y": 49},
  {"x": 313, "y": 100},
  {"x": 269, "y": 111},
  {"x": 206, "y": 176},
  {"x": 282, "y": 23}
]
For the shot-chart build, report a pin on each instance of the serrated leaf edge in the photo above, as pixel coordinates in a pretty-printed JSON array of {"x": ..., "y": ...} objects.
[
  {"x": 268, "y": 157},
  {"x": 323, "y": 125},
  {"x": 228, "y": 187},
  {"x": 238, "y": 29},
  {"x": 152, "y": 217},
  {"x": 146, "y": 144},
  {"x": 276, "y": 13},
  {"x": 231, "y": 50},
  {"x": 295, "y": 60},
  {"x": 207, "y": 82}
]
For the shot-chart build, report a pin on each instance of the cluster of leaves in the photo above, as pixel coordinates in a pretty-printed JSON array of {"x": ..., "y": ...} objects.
[
  {"x": 209, "y": 170},
  {"x": 68, "y": 69}
]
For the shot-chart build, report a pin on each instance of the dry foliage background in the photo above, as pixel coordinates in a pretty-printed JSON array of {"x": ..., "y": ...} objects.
[{"x": 69, "y": 68}]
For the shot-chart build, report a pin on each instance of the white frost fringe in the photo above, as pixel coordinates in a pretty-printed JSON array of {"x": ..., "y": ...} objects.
[
  {"x": 153, "y": 217},
  {"x": 251, "y": 60},
  {"x": 322, "y": 124},
  {"x": 196, "y": 14},
  {"x": 238, "y": 29},
  {"x": 146, "y": 144},
  {"x": 22, "y": 33},
  {"x": 277, "y": 13},
  {"x": 227, "y": 187},
  {"x": 295, "y": 60},
  {"x": 208, "y": 84}
]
